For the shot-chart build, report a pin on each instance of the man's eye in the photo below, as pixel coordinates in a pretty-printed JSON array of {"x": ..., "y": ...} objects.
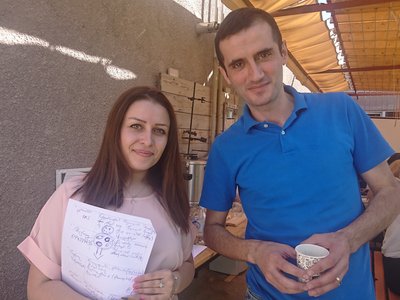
[
  {"x": 237, "y": 65},
  {"x": 263, "y": 55}
]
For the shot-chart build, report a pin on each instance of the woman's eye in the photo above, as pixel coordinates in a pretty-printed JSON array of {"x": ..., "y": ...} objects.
[
  {"x": 136, "y": 126},
  {"x": 159, "y": 131}
]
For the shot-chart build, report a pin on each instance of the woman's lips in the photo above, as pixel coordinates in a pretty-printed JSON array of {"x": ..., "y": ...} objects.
[{"x": 144, "y": 153}]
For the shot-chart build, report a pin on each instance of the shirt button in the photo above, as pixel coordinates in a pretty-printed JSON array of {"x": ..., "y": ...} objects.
[
  {"x": 266, "y": 125},
  {"x": 283, "y": 132}
]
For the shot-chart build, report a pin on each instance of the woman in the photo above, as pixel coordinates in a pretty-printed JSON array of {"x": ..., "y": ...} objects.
[{"x": 137, "y": 172}]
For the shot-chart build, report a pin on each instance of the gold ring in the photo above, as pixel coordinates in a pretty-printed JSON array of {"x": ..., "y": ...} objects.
[
  {"x": 339, "y": 281},
  {"x": 161, "y": 284}
]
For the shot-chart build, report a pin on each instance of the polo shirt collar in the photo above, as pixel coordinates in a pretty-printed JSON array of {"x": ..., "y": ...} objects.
[
  {"x": 299, "y": 99},
  {"x": 299, "y": 105}
]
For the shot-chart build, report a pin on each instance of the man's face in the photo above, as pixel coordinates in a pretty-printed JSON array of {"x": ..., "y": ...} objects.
[{"x": 253, "y": 65}]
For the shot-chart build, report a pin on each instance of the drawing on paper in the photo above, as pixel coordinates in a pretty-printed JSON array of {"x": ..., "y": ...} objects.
[
  {"x": 103, "y": 240},
  {"x": 102, "y": 250}
]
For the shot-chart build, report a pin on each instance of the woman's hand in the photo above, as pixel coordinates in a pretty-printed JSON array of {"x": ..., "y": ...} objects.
[{"x": 159, "y": 285}]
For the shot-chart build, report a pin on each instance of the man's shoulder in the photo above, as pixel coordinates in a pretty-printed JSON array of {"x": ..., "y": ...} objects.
[
  {"x": 235, "y": 130},
  {"x": 316, "y": 96},
  {"x": 336, "y": 96},
  {"x": 331, "y": 100}
]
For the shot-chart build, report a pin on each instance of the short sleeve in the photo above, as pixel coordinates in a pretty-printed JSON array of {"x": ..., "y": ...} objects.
[
  {"x": 370, "y": 147},
  {"x": 188, "y": 241},
  {"x": 42, "y": 247},
  {"x": 219, "y": 186}
]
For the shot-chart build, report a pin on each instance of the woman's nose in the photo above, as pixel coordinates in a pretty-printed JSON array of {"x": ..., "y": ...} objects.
[{"x": 147, "y": 137}]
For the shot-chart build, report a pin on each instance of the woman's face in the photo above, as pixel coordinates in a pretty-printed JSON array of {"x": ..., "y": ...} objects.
[{"x": 144, "y": 134}]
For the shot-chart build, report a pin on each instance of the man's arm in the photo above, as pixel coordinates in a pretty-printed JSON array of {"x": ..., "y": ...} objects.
[
  {"x": 225, "y": 243},
  {"x": 382, "y": 208},
  {"x": 270, "y": 257},
  {"x": 381, "y": 211}
]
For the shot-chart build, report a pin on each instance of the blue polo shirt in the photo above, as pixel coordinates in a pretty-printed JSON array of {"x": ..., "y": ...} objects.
[{"x": 298, "y": 180}]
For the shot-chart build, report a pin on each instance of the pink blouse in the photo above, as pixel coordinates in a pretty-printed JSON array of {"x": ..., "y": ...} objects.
[{"x": 43, "y": 246}]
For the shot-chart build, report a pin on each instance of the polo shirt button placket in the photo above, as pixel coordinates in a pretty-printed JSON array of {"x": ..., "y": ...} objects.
[{"x": 283, "y": 141}]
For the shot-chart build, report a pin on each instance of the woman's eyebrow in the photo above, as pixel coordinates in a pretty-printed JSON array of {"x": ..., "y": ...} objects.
[{"x": 143, "y": 121}]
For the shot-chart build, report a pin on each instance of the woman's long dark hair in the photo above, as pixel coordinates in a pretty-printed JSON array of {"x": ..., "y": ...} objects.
[{"x": 103, "y": 185}]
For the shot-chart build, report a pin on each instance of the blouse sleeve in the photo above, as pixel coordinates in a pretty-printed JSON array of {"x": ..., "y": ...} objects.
[
  {"x": 42, "y": 247},
  {"x": 188, "y": 241}
]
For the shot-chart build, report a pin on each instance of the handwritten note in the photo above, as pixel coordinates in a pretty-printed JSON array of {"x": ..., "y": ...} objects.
[
  {"x": 102, "y": 250},
  {"x": 197, "y": 249}
]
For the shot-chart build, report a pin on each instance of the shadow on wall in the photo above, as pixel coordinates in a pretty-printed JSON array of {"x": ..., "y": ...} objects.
[{"x": 12, "y": 37}]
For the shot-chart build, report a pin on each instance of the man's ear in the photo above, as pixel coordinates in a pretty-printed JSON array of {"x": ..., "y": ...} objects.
[
  {"x": 223, "y": 72},
  {"x": 284, "y": 52}
]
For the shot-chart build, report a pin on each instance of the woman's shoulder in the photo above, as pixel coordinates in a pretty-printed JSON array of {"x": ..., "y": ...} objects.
[
  {"x": 59, "y": 199},
  {"x": 72, "y": 184}
]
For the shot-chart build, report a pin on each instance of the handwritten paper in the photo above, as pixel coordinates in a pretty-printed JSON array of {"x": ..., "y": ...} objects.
[
  {"x": 197, "y": 249},
  {"x": 102, "y": 250}
]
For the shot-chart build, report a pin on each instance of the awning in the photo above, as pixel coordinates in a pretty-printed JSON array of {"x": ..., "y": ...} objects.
[{"x": 364, "y": 34}]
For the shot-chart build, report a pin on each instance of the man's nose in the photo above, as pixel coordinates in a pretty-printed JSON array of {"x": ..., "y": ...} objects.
[{"x": 255, "y": 71}]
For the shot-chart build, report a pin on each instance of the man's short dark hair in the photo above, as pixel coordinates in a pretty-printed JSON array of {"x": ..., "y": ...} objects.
[{"x": 241, "y": 19}]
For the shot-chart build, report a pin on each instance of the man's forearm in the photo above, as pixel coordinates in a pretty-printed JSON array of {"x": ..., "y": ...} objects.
[
  {"x": 225, "y": 243},
  {"x": 381, "y": 211}
]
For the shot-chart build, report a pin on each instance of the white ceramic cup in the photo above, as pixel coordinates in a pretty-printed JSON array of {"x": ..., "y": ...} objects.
[{"x": 308, "y": 254}]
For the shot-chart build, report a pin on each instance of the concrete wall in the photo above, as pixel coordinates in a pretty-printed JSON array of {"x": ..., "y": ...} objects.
[{"x": 57, "y": 86}]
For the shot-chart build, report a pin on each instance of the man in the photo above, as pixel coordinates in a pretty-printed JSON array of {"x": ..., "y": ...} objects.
[{"x": 294, "y": 159}]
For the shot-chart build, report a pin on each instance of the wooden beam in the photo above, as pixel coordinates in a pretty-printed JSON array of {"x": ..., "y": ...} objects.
[
  {"x": 339, "y": 36},
  {"x": 326, "y": 7},
  {"x": 361, "y": 69},
  {"x": 300, "y": 69},
  {"x": 373, "y": 93}
]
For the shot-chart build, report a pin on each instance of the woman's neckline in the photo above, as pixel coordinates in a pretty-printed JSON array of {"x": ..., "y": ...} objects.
[{"x": 139, "y": 197}]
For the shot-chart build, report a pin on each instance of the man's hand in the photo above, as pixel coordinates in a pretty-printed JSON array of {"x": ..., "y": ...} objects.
[
  {"x": 272, "y": 259},
  {"x": 333, "y": 268}
]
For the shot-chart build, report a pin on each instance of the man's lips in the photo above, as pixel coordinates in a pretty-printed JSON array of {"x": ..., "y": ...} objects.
[{"x": 258, "y": 86}]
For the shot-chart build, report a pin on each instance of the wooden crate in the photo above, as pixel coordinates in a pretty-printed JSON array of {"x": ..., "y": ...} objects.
[{"x": 180, "y": 93}]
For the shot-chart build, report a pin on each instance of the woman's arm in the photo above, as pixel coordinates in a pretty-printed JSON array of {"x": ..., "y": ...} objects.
[
  {"x": 183, "y": 276},
  {"x": 164, "y": 284},
  {"x": 41, "y": 287}
]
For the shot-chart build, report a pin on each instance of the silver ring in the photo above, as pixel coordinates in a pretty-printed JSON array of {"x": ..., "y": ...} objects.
[
  {"x": 339, "y": 281},
  {"x": 161, "y": 284}
]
